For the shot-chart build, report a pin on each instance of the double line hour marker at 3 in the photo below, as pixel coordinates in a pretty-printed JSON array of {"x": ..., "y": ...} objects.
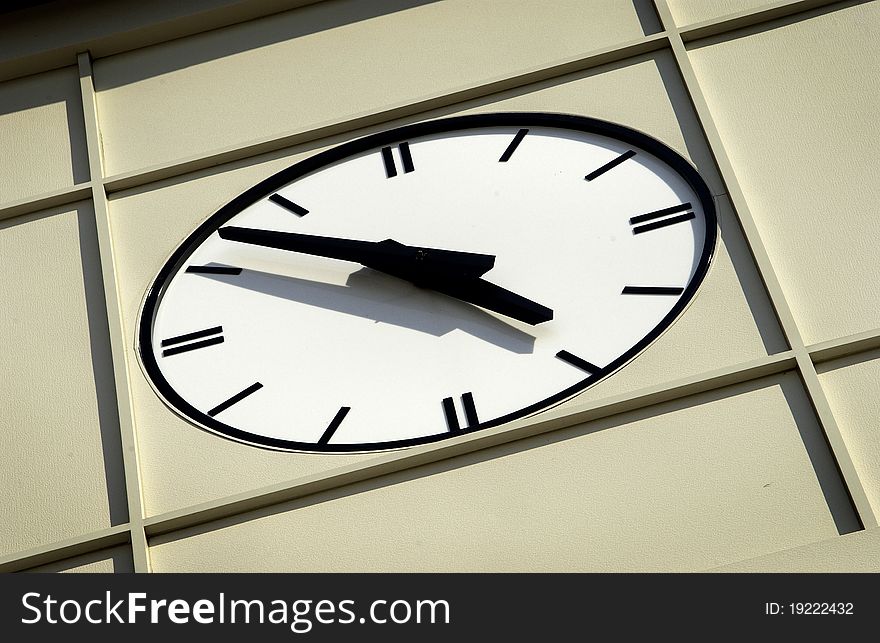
[
  {"x": 192, "y": 341},
  {"x": 658, "y": 218}
]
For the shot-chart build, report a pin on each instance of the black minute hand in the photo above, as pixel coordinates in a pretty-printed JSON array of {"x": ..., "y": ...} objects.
[
  {"x": 385, "y": 256},
  {"x": 453, "y": 273}
]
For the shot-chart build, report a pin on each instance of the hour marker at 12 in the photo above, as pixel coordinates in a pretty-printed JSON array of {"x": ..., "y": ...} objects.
[
  {"x": 520, "y": 135},
  {"x": 334, "y": 424},
  {"x": 189, "y": 342},
  {"x": 578, "y": 362},
  {"x": 235, "y": 399},
  {"x": 660, "y": 221},
  {"x": 610, "y": 165},
  {"x": 405, "y": 158},
  {"x": 470, "y": 412},
  {"x": 287, "y": 204}
]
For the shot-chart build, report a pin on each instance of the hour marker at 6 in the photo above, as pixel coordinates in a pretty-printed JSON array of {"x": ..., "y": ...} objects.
[{"x": 405, "y": 157}]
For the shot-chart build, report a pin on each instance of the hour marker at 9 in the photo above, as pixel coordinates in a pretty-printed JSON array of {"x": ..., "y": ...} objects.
[
  {"x": 214, "y": 270},
  {"x": 652, "y": 290},
  {"x": 187, "y": 342}
]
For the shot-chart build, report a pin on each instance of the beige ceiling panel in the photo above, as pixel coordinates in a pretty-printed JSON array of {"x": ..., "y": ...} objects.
[
  {"x": 41, "y": 135},
  {"x": 116, "y": 560},
  {"x": 687, "y": 12},
  {"x": 854, "y": 553},
  {"x": 61, "y": 475},
  {"x": 800, "y": 125},
  {"x": 329, "y": 62},
  {"x": 683, "y": 486},
  {"x": 852, "y": 385}
]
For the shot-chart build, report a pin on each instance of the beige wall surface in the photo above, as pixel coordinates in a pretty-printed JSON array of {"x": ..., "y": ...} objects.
[
  {"x": 116, "y": 560},
  {"x": 61, "y": 476},
  {"x": 106, "y": 27},
  {"x": 725, "y": 468},
  {"x": 679, "y": 487},
  {"x": 795, "y": 102},
  {"x": 853, "y": 388},
  {"x": 853, "y": 553},
  {"x": 329, "y": 62},
  {"x": 688, "y": 12},
  {"x": 41, "y": 135}
]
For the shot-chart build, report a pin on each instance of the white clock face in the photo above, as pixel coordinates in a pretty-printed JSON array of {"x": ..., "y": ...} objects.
[{"x": 283, "y": 322}]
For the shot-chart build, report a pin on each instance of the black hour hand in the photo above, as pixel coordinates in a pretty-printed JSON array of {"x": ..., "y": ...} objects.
[{"x": 491, "y": 297}]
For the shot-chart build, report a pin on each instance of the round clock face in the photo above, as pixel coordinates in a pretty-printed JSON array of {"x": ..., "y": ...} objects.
[{"x": 426, "y": 281}]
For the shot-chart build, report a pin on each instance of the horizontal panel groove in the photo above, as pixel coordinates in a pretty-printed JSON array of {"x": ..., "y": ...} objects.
[
  {"x": 844, "y": 346},
  {"x": 551, "y": 421},
  {"x": 114, "y": 41},
  {"x": 405, "y": 109},
  {"x": 54, "y": 552},
  {"x": 748, "y": 18},
  {"x": 52, "y": 199}
]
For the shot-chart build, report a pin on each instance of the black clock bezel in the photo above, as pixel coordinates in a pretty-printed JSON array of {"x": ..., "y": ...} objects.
[{"x": 376, "y": 141}]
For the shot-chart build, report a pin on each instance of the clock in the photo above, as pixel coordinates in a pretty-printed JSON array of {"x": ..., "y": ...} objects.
[{"x": 427, "y": 281}]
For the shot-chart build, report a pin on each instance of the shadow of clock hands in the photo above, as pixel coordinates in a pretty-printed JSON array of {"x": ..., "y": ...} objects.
[{"x": 384, "y": 299}]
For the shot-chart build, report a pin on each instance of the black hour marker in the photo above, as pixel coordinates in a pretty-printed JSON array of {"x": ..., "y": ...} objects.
[
  {"x": 470, "y": 412},
  {"x": 610, "y": 165},
  {"x": 652, "y": 290},
  {"x": 214, "y": 270},
  {"x": 451, "y": 416},
  {"x": 520, "y": 135},
  {"x": 659, "y": 214},
  {"x": 334, "y": 424},
  {"x": 187, "y": 342},
  {"x": 390, "y": 170},
  {"x": 287, "y": 204},
  {"x": 405, "y": 157},
  {"x": 577, "y": 362},
  {"x": 235, "y": 399}
]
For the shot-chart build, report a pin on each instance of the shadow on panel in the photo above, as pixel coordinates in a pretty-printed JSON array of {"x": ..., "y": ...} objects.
[
  {"x": 119, "y": 558},
  {"x": 819, "y": 454},
  {"x": 102, "y": 365},
  {"x": 253, "y": 34}
]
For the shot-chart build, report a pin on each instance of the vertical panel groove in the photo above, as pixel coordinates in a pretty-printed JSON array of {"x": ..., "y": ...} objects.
[
  {"x": 806, "y": 368},
  {"x": 140, "y": 553}
]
